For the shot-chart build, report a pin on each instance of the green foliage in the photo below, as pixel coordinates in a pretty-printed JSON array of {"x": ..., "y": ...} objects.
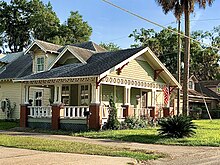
[
  {"x": 176, "y": 127},
  {"x": 110, "y": 46},
  {"x": 112, "y": 122},
  {"x": 204, "y": 60},
  {"x": 49, "y": 145},
  {"x": 207, "y": 134},
  {"x": 133, "y": 123},
  {"x": 5, "y": 125},
  {"x": 22, "y": 20},
  {"x": 74, "y": 30}
]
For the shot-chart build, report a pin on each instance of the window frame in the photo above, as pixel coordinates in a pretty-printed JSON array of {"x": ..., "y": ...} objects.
[{"x": 38, "y": 65}]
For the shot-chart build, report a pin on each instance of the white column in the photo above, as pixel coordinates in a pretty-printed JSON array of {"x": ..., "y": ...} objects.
[
  {"x": 57, "y": 93},
  {"x": 153, "y": 97},
  {"x": 127, "y": 95},
  {"x": 26, "y": 100},
  {"x": 95, "y": 94}
]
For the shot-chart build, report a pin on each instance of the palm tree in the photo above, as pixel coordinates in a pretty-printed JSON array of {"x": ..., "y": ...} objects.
[{"x": 178, "y": 7}]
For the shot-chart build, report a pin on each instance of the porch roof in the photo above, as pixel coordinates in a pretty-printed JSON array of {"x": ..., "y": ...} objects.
[{"x": 95, "y": 66}]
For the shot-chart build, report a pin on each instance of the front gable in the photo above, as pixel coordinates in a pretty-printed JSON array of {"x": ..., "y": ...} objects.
[{"x": 138, "y": 69}]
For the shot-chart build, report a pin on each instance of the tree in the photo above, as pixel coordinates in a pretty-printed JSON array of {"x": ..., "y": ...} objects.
[
  {"x": 21, "y": 19},
  {"x": 178, "y": 8},
  {"x": 162, "y": 43},
  {"x": 44, "y": 23},
  {"x": 15, "y": 23},
  {"x": 110, "y": 46},
  {"x": 74, "y": 30}
]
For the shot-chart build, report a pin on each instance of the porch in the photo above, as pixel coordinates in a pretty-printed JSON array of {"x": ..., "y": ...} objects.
[{"x": 70, "y": 102}]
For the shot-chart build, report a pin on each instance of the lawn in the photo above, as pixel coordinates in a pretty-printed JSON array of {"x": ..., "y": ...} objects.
[
  {"x": 207, "y": 134},
  {"x": 74, "y": 147},
  {"x": 5, "y": 125}
]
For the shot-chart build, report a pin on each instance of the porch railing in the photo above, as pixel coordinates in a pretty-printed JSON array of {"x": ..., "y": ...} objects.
[
  {"x": 40, "y": 111},
  {"x": 142, "y": 112},
  {"x": 75, "y": 111},
  {"x": 105, "y": 113}
]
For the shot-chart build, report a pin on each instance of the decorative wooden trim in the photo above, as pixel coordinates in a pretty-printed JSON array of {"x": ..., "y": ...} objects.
[
  {"x": 171, "y": 88},
  {"x": 119, "y": 70},
  {"x": 157, "y": 72},
  {"x": 98, "y": 82},
  {"x": 111, "y": 80},
  {"x": 61, "y": 81}
]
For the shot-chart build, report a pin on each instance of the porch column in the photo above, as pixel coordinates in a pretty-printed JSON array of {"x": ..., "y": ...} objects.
[
  {"x": 94, "y": 108},
  {"x": 95, "y": 94},
  {"x": 153, "y": 97},
  {"x": 24, "y": 111},
  {"x": 127, "y": 95},
  {"x": 127, "y": 111},
  {"x": 26, "y": 100},
  {"x": 55, "y": 120},
  {"x": 57, "y": 93}
]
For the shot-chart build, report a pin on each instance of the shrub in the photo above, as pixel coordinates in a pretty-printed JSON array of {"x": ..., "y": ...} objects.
[
  {"x": 112, "y": 122},
  {"x": 176, "y": 127},
  {"x": 133, "y": 123}
]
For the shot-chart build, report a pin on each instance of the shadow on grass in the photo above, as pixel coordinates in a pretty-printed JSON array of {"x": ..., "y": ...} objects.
[{"x": 149, "y": 139}]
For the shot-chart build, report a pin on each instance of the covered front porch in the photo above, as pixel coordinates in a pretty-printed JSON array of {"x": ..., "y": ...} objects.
[{"x": 75, "y": 97}]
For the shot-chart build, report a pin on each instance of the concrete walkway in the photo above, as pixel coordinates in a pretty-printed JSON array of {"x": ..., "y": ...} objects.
[
  {"x": 14, "y": 156},
  {"x": 184, "y": 155}
]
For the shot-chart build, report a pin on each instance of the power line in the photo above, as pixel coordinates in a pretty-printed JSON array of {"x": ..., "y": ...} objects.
[{"x": 152, "y": 22}]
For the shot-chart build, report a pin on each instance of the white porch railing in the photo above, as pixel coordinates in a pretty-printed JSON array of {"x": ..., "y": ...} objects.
[
  {"x": 75, "y": 111},
  {"x": 105, "y": 113},
  {"x": 142, "y": 112},
  {"x": 40, "y": 111}
]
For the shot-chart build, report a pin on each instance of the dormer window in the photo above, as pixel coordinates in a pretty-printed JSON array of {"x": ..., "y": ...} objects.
[
  {"x": 40, "y": 64},
  {"x": 191, "y": 85}
]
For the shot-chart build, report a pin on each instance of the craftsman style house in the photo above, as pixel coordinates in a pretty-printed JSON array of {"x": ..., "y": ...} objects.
[{"x": 83, "y": 77}]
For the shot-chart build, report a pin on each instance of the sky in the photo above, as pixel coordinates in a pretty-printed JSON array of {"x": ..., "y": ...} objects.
[{"x": 110, "y": 24}]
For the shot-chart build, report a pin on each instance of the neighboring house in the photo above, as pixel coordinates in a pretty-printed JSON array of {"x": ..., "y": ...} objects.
[
  {"x": 200, "y": 95},
  {"x": 85, "y": 76}
]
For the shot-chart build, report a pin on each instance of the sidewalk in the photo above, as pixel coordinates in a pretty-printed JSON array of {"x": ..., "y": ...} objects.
[
  {"x": 14, "y": 156},
  {"x": 184, "y": 155}
]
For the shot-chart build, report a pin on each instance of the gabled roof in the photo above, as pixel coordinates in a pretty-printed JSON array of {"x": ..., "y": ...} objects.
[
  {"x": 205, "y": 90},
  {"x": 210, "y": 82},
  {"x": 20, "y": 67},
  {"x": 96, "y": 65},
  {"x": 90, "y": 46},
  {"x": 101, "y": 64},
  {"x": 81, "y": 54},
  {"x": 10, "y": 57},
  {"x": 45, "y": 46}
]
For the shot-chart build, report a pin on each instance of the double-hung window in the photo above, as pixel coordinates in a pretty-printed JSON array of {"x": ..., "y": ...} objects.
[{"x": 40, "y": 64}]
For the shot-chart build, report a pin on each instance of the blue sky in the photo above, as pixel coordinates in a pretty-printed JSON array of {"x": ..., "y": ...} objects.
[{"x": 113, "y": 25}]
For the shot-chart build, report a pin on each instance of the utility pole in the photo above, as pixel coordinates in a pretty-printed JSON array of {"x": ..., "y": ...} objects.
[{"x": 178, "y": 68}]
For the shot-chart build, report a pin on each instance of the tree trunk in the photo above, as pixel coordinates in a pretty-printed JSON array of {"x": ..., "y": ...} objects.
[
  {"x": 178, "y": 68},
  {"x": 186, "y": 61}
]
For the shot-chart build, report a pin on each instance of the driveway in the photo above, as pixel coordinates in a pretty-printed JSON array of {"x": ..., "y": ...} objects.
[{"x": 178, "y": 155}]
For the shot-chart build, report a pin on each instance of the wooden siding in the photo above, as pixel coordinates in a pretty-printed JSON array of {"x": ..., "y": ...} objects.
[
  {"x": 13, "y": 92},
  {"x": 46, "y": 94}
]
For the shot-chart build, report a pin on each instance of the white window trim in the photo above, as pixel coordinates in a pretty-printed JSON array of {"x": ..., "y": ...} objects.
[
  {"x": 79, "y": 93},
  {"x": 36, "y": 64},
  {"x": 34, "y": 94}
]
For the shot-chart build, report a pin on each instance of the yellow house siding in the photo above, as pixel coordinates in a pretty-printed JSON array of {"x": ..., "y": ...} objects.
[{"x": 12, "y": 91}]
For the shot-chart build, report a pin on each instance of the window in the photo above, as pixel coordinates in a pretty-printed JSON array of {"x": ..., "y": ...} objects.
[
  {"x": 38, "y": 98},
  {"x": 40, "y": 64},
  {"x": 191, "y": 85},
  {"x": 66, "y": 94},
  {"x": 84, "y": 94}
]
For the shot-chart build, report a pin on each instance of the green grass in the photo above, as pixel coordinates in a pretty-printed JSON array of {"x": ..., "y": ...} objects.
[
  {"x": 207, "y": 134},
  {"x": 5, "y": 125},
  {"x": 74, "y": 147}
]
